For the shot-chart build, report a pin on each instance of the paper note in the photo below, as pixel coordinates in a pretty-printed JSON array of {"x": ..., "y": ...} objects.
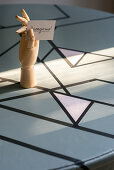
[{"x": 43, "y": 29}]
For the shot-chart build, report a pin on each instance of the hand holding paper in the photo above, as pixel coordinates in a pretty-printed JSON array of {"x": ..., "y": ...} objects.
[
  {"x": 32, "y": 32},
  {"x": 28, "y": 52}
]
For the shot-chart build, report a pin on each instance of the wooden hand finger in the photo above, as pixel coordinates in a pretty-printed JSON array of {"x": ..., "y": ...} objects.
[
  {"x": 24, "y": 14},
  {"x": 36, "y": 44},
  {"x": 22, "y": 20},
  {"x": 21, "y": 30},
  {"x": 31, "y": 39}
]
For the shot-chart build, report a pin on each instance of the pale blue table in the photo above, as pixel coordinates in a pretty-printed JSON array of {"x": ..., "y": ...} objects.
[{"x": 67, "y": 120}]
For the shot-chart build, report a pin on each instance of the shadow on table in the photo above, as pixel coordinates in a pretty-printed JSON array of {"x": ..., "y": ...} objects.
[{"x": 10, "y": 88}]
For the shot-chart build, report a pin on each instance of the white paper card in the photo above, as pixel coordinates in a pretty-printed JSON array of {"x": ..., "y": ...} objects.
[{"x": 43, "y": 29}]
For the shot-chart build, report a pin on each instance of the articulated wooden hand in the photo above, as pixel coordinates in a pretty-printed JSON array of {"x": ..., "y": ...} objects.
[{"x": 28, "y": 52}]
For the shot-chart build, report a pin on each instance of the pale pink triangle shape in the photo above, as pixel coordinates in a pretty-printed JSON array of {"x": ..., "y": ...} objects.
[
  {"x": 72, "y": 56},
  {"x": 74, "y": 106}
]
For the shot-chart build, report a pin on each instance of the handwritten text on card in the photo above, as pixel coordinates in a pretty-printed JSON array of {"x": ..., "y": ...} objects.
[{"x": 43, "y": 29}]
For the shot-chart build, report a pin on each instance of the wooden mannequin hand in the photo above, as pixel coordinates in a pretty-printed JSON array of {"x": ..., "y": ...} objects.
[{"x": 28, "y": 52}]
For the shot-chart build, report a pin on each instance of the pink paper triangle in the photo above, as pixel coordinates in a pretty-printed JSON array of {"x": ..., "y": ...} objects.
[
  {"x": 72, "y": 56},
  {"x": 74, "y": 106}
]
